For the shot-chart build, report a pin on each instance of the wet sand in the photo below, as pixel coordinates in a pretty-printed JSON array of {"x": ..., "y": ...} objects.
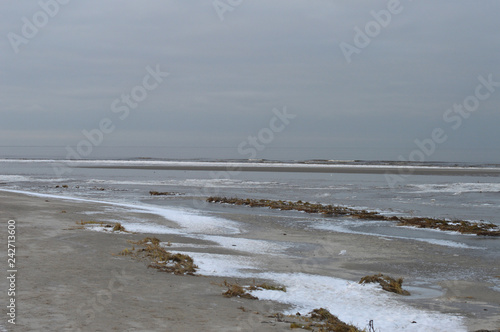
[{"x": 69, "y": 280}]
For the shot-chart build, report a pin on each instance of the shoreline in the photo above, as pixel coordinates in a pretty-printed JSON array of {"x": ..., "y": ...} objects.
[
  {"x": 351, "y": 169},
  {"x": 69, "y": 279},
  {"x": 59, "y": 265}
]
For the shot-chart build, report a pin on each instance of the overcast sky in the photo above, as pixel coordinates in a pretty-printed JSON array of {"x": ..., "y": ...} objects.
[{"x": 231, "y": 62}]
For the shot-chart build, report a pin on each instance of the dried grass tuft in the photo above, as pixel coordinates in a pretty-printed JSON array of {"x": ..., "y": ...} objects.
[
  {"x": 235, "y": 290},
  {"x": 388, "y": 284},
  {"x": 321, "y": 320},
  {"x": 166, "y": 261},
  {"x": 118, "y": 228}
]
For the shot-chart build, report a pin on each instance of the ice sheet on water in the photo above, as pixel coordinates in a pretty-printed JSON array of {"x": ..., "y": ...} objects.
[
  {"x": 14, "y": 178},
  {"x": 344, "y": 228},
  {"x": 455, "y": 188},
  {"x": 209, "y": 182}
]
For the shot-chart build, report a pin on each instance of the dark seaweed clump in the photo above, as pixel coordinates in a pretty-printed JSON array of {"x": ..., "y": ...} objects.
[
  {"x": 462, "y": 226},
  {"x": 163, "y": 193}
]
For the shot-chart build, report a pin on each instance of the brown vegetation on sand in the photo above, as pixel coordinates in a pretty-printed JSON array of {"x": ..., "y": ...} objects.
[
  {"x": 323, "y": 321},
  {"x": 161, "y": 259},
  {"x": 388, "y": 284}
]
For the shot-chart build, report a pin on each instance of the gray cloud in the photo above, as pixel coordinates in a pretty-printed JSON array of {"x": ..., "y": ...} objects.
[{"x": 227, "y": 76}]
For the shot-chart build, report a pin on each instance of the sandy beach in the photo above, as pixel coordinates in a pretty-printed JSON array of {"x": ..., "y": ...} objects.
[{"x": 70, "y": 279}]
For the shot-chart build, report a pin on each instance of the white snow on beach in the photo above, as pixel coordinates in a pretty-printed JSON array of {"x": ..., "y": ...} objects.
[
  {"x": 351, "y": 302},
  {"x": 192, "y": 222}
]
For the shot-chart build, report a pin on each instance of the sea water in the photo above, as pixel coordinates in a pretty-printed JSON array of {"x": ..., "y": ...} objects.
[{"x": 468, "y": 197}]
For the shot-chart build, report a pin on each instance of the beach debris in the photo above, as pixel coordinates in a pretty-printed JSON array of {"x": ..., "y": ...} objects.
[
  {"x": 235, "y": 290},
  {"x": 147, "y": 240},
  {"x": 115, "y": 227},
  {"x": 371, "y": 325},
  {"x": 279, "y": 317},
  {"x": 461, "y": 226},
  {"x": 165, "y": 193},
  {"x": 321, "y": 320},
  {"x": 296, "y": 325},
  {"x": 266, "y": 286},
  {"x": 92, "y": 222},
  {"x": 307, "y": 207},
  {"x": 127, "y": 251},
  {"x": 118, "y": 228},
  {"x": 163, "y": 260},
  {"x": 388, "y": 284}
]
